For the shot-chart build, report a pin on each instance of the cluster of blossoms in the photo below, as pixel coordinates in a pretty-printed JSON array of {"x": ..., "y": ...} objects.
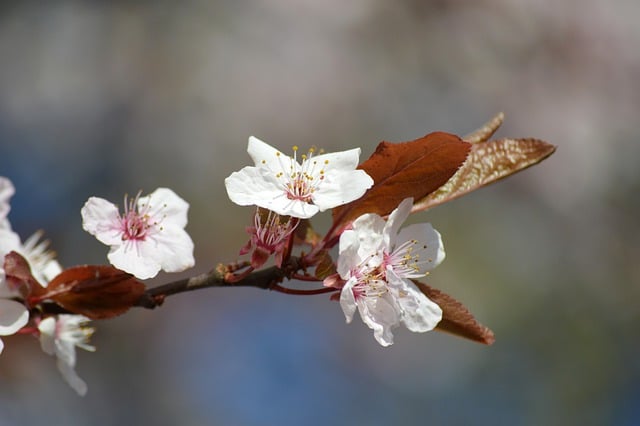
[
  {"x": 147, "y": 237},
  {"x": 375, "y": 272},
  {"x": 376, "y": 262},
  {"x": 376, "y": 268}
]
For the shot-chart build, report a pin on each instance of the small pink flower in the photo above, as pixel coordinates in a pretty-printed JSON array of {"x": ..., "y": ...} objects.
[
  {"x": 269, "y": 235},
  {"x": 147, "y": 237}
]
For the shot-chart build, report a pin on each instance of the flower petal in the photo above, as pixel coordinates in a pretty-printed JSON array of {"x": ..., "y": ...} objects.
[
  {"x": 71, "y": 377},
  {"x": 266, "y": 156},
  {"x": 13, "y": 316},
  {"x": 101, "y": 219},
  {"x": 396, "y": 219},
  {"x": 419, "y": 313},
  {"x": 172, "y": 248},
  {"x": 381, "y": 316},
  {"x": 251, "y": 186},
  {"x": 342, "y": 160},
  {"x": 341, "y": 187},
  {"x": 166, "y": 206},
  {"x": 430, "y": 248},
  {"x": 47, "y": 329},
  {"x": 348, "y": 300},
  {"x": 129, "y": 258}
]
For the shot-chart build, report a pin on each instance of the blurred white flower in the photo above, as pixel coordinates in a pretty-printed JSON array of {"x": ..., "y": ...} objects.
[
  {"x": 6, "y": 192},
  {"x": 281, "y": 184},
  {"x": 59, "y": 336},
  {"x": 149, "y": 236},
  {"x": 377, "y": 263}
]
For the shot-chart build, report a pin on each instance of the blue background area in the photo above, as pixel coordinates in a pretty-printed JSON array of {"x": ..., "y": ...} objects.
[{"x": 108, "y": 98}]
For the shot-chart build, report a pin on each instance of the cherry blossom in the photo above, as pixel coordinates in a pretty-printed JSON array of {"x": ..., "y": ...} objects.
[
  {"x": 279, "y": 183},
  {"x": 269, "y": 234},
  {"x": 147, "y": 237},
  {"x": 59, "y": 336},
  {"x": 377, "y": 261}
]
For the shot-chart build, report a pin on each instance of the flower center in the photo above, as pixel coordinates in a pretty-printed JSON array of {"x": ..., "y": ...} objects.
[
  {"x": 301, "y": 181},
  {"x": 136, "y": 222},
  {"x": 406, "y": 259}
]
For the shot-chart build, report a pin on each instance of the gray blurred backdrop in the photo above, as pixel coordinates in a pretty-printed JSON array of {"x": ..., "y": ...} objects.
[{"x": 103, "y": 98}]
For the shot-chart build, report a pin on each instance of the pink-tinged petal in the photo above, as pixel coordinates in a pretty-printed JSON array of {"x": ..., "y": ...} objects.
[
  {"x": 348, "y": 300},
  {"x": 340, "y": 187},
  {"x": 429, "y": 248},
  {"x": 101, "y": 219},
  {"x": 129, "y": 259},
  {"x": 249, "y": 186},
  {"x": 13, "y": 316},
  {"x": 172, "y": 248},
  {"x": 342, "y": 160},
  {"x": 419, "y": 313},
  {"x": 380, "y": 315},
  {"x": 396, "y": 219},
  {"x": 165, "y": 206}
]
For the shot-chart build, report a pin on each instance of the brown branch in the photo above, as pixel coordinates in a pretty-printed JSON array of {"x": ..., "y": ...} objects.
[{"x": 222, "y": 276}]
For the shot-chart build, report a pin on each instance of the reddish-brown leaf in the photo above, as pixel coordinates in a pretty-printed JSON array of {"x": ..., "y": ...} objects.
[
  {"x": 488, "y": 162},
  {"x": 18, "y": 275},
  {"x": 486, "y": 131},
  {"x": 456, "y": 319},
  {"x": 406, "y": 169},
  {"x": 96, "y": 291}
]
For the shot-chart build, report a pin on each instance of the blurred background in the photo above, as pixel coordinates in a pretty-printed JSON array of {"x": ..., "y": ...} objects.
[{"x": 107, "y": 98}]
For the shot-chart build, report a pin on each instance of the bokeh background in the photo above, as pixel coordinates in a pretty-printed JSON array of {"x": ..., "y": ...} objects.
[{"x": 106, "y": 98}]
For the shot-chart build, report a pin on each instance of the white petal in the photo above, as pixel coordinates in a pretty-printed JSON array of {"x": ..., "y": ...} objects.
[
  {"x": 1, "y": 345},
  {"x": 9, "y": 241},
  {"x": 102, "y": 219},
  {"x": 396, "y": 219},
  {"x": 47, "y": 329},
  {"x": 419, "y": 313},
  {"x": 266, "y": 156},
  {"x": 249, "y": 186},
  {"x": 430, "y": 247},
  {"x": 340, "y": 188},
  {"x": 72, "y": 378},
  {"x": 166, "y": 206},
  {"x": 381, "y": 316},
  {"x": 6, "y": 192},
  {"x": 342, "y": 160},
  {"x": 294, "y": 208},
  {"x": 129, "y": 259},
  {"x": 13, "y": 316},
  {"x": 347, "y": 300},
  {"x": 369, "y": 231},
  {"x": 65, "y": 351},
  {"x": 172, "y": 248}
]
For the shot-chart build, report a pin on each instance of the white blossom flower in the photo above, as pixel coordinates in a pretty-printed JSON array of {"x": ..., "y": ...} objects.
[
  {"x": 6, "y": 192},
  {"x": 149, "y": 236},
  {"x": 59, "y": 336},
  {"x": 377, "y": 261},
  {"x": 281, "y": 184}
]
